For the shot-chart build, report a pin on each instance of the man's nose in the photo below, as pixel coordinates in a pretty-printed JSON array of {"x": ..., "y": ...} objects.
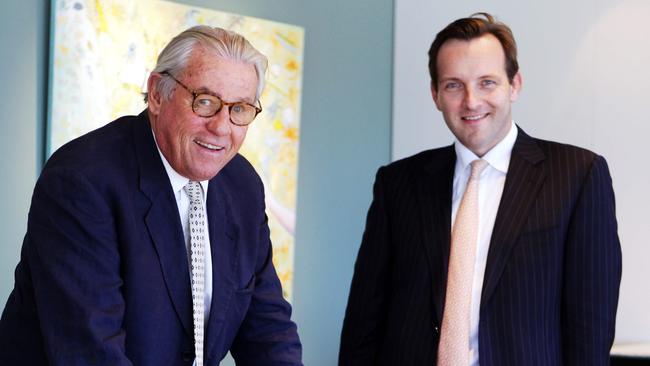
[
  {"x": 220, "y": 124},
  {"x": 471, "y": 100}
]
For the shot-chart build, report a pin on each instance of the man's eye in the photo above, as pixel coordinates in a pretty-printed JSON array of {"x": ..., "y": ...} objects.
[
  {"x": 452, "y": 86},
  {"x": 488, "y": 82},
  {"x": 204, "y": 102},
  {"x": 238, "y": 108}
]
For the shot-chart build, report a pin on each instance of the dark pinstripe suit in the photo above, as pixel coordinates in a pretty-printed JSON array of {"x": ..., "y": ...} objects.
[{"x": 553, "y": 270}]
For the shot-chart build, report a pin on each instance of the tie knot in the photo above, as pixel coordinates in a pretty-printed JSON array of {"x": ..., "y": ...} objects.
[
  {"x": 193, "y": 190},
  {"x": 478, "y": 166}
]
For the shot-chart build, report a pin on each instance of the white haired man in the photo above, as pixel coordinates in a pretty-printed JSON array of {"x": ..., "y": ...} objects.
[{"x": 147, "y": 241}]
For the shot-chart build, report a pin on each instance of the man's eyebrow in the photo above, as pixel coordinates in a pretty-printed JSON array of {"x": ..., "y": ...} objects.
[
  {"x": 448, "y": 78},
  {"x": 488, "y": 76},
  {"x": 206, "y": 90},
  {"x": 455, "y": 78}
]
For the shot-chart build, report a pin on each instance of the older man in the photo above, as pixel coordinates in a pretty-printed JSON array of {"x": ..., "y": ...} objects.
[
  {"x": 501, "y": 249},
  {"x": 147, "y": 241}
]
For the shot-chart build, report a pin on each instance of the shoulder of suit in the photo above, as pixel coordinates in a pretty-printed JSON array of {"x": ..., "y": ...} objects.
[
  {"x": 404, "y": 173},
  {"x": 554, "y": 151},
  {"x": 239, "y": 165},
  {"x": 107, "y": 140},
  {"x": 100, "y": 152},
  {"x": 240, "y": 173},
  {"x": 422, "y": 159}
]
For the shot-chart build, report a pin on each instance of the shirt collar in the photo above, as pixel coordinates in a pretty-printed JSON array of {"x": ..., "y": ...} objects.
[
  {"x": 498, "y": 157},
  {"x": 178, "y": 181}
]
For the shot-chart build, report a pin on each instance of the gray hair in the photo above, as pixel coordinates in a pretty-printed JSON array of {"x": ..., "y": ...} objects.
[{"x": 223, "y": 43}]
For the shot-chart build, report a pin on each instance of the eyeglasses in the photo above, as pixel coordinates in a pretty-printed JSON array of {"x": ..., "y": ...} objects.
[{"x": 206, "y": 104}]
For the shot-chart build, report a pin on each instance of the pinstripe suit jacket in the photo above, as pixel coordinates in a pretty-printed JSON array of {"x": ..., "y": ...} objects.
[{"x": 553, "y": 270}]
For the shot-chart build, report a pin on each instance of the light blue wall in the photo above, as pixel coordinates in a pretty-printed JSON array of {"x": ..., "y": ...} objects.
[
  {"x": 23, "y": 41},
  {"x": 345, "y": 126}
]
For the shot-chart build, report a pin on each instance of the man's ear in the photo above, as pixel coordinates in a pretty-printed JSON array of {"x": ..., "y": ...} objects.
[
  {"x": 154, "y": 98},
  {"x": 515, "y": 86},
  {"x": 434, "y": 95}
]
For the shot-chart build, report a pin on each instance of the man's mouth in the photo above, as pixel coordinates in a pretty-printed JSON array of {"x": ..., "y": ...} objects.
[
  {"x": 209, "y": 146},
  {"x": 474, "y": 117}
]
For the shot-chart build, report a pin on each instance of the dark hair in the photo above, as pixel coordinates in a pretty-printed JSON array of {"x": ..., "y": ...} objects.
[{"x": 471, "y": 28}]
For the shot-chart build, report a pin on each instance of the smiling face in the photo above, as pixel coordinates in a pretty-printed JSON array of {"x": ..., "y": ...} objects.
[
  {"x": 199, "y": 147},
  {"x": 473, "y": 92}
]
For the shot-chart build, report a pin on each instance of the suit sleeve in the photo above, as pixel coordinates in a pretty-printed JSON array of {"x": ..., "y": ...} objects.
[
  {"x": 267, "y": 335},
  {"x": 592, "y": 272},
  {"x": 72, "y": 251},
  {"x": 364, "y": 323}
]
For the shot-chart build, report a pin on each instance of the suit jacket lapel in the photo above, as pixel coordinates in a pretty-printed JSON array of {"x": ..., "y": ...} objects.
[
  {"x": 523, "y": 181},
  {"x": 434, "y": 198},
  {"x": 163, "y": 222},
  {"x": 224, "y": 253}
]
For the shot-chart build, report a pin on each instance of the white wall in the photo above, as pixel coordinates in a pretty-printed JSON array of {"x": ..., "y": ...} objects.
[{"x": 586, "y": 69}]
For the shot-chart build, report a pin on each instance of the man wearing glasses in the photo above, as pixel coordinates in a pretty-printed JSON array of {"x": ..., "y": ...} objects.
[{"x": 147, "y": 241}]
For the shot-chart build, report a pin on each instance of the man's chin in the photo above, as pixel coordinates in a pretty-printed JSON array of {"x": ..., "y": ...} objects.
[{"x": 201, "y": 175}]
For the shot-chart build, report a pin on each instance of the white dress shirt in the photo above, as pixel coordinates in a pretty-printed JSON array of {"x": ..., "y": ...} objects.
[
  {"x": 178, "y": 182},
  {"x": 491, "y": 183}
]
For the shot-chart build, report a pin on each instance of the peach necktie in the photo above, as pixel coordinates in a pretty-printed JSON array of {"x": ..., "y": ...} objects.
[{"x": 453, "y": 349}]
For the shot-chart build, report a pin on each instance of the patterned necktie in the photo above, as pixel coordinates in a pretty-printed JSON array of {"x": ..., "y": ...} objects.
[
  {"x": 453, "y": 349},
  {"x": 197, "y": 260}
]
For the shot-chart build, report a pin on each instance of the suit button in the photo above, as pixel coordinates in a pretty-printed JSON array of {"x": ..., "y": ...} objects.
[{"x": 188, "y": 355}]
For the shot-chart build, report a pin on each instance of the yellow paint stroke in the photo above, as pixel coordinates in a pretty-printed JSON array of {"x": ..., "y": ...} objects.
[
  {"x": 291, "y": 133},
  {"x": 101, "y": 17},
  {"x": 292, "y": 66},
  {"x": 118, "y": 13},
  {"x": 278, "y": 89},
  {"x": 134, "y": 88},
  {"x": 286, "y": 39}
]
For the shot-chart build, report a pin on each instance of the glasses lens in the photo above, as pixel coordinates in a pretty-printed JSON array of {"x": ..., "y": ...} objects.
[
  {"x": 206, "y": 105},
  {"x": 242, "y": 113}
]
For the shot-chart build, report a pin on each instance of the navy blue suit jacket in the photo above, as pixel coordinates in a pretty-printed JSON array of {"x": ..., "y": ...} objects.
[
  {"x": 103, "y": 277},
  {"x": 553, "y": 270}
]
